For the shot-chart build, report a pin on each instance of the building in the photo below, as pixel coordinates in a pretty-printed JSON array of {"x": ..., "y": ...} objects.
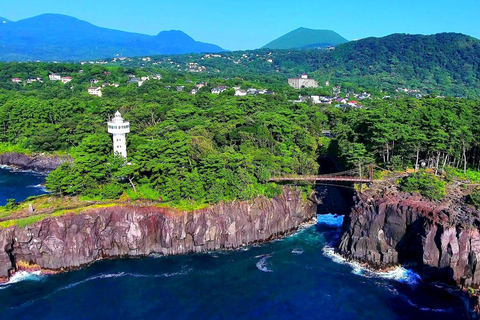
[
  {"x": 16, "y": 80},
  {"x": 66, "y": 79},
  {"x": 95, "y": 91},
  {"x": 54, "y": 77},
  {"x": 218, "y": 90},
  {"x": 119, "y": 128},
  {"x": 240, "y": 93},
  {"x": 302, "y": 82}
]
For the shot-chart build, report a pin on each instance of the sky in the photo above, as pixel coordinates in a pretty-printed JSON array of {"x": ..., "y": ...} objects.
[{"x": 250, "y": 24}]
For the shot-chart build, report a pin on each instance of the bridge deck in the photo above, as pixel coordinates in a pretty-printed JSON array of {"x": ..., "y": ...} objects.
[{"x": 321, "y": 178}]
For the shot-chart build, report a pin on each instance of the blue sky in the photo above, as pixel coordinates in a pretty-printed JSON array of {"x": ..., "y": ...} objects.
[{"x": 249, "y": 24}]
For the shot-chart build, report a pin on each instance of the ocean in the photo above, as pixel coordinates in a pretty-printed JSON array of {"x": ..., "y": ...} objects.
[
  {"x": 297, "y": 277},
  {"x": 19, "y": 185}
]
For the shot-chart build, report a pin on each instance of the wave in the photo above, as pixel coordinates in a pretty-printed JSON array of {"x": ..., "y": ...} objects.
[
  {"x": 330, "y": 219},
  {"x": 262, "y": 264},
  {"x": 42, "y": 187},
  {"x": 15, "y": 169},
  {"x": 399, "y": 274},
  {"x": 297, "y": 251},
  {"x": 430, "y": 309},
  {"x": 23, "y": 276}
]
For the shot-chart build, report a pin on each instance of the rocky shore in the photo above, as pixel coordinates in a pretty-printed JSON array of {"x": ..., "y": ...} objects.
[
  {"x": 38, "y": 162},
  {"x": 71, "y": 241},
  {"x": 439, "y": 240}
]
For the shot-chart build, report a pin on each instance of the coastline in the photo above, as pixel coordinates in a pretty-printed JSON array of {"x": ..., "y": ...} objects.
[
  {"x": 40, "y": 163},
  {"x": 72, "y": 241},
  {"x": 438, "y": 240}
]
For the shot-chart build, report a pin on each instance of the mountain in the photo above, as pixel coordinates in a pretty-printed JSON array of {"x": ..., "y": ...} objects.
[
  {"x": 50, "y": 37},
  {"x": 303, "y": 38},
  {"x": 435, "y": 62}
]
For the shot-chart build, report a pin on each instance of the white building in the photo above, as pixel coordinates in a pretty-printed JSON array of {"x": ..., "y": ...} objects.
[
  {"x": 66, "y": 79},
  {"x": 54, "y": 77},
  {"x": 302, "y": 82},
  {"x": 95, "y": 91},
  {"x": 119, "y": 128},
  {"x": 240, "y": 93}
]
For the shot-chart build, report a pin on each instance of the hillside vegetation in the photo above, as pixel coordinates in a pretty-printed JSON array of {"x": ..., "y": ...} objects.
[
  {"x": 303, "y": 38},
  {"x": 443, "y": 64}
]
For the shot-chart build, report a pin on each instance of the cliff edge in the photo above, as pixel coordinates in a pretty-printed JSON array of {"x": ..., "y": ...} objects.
[
  {"x": 440, "y": 240},
  {"x": 71, "y": 241}
]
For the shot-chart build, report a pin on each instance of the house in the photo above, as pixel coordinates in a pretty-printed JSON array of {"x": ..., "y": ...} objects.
[
  {"x": 193, "y": 91},
  {"x": 158, "y": 76},
  {"x": 200, "y": 85},
  {"x": 93, "y": 81},
  {"x": 218, "y": 90},
  {"x": 240, "y": 93},
  {"x": 135, "y": 80},
  {"x": 145, "y": 78},
  {"x": 251, "y": 91},
  {"x": 180, "y": 88},
  {"x": 328, "y": 134},
  {"x": 107, "y": 73},
  {"x": 95, "y": 91},
  {"x": 352, "y": 103},
  {"x": 315, "y": 99},
  {"x": 168, "y": 87},
  {"x": 66, "y": 79},
  {"x": 54, "y": 77},
  {"x": 16, "y": 80},
  {"x": 31, "y": 80},
  {"x": 302, "y": 82}
]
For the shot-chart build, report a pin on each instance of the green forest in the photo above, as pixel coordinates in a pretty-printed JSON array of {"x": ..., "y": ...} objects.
[
  {"x": 207, "y": 147},
  {"x": 445, "y": 64}
]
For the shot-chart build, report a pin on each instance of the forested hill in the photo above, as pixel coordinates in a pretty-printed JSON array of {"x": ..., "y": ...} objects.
[
  {"x": 441, "y": 61},
  {"x": 303, "y": 38},
  {"x": 442, "y": 64},
  {"x": 55, "y": 37}
]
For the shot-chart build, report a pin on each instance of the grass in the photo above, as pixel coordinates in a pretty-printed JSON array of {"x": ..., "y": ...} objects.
[
  {"x": 8, "y": 147},
  {"x": 469, "y": 175},
  {"x": 23, "y": 222}
]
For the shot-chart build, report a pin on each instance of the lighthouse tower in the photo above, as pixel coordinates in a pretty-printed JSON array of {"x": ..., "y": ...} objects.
[{"x": 119, "y": 128}]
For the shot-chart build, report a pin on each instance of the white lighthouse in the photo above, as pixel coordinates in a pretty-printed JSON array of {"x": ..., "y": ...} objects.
[{"x": 119, "y": 128}]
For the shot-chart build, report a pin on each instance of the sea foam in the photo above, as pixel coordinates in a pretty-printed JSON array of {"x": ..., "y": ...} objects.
[
  {"x": 399, "y": 274},
  {"x": 23, "y": 276},
  {"x": 262, "y": 264}
]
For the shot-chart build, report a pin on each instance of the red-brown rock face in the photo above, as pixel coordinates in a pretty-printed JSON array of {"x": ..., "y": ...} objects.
[
  {"x": 74, "y": 240},
  {"x": 441, "y": 240}
]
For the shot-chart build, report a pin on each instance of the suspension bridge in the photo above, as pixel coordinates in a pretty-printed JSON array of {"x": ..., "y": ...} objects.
[{"x": 343, "y": 176}]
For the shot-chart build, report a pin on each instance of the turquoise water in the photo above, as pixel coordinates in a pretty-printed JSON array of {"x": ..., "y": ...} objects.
[
  {"x": 294, "y": 278},
  {"x": 19, "y": 185}
]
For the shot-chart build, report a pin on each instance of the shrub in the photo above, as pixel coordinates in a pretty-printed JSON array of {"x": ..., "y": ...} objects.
[
  {"x": 11, "y": 204},
  {"x": 426, "y": 184},
  {"x": 106, "y": 191},
  {"x": 475, "y": 198}
]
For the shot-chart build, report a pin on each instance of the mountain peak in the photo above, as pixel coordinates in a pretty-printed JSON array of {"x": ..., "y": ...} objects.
[
  {"x": 60, "y": 37},
  {"x": 302, "y": 38}
]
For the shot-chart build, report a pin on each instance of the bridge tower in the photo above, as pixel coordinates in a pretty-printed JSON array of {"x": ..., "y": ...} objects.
[{"x": 119, "y": 128}]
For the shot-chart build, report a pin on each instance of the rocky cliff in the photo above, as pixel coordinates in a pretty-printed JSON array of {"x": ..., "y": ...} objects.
[
  {"x": 441, "y": 240},
  {"x": 71, "y": 241},
  {"x": 41, "y": 163}
]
